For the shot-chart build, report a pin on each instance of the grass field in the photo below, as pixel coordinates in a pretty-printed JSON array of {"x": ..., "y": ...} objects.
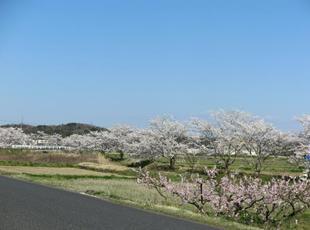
[
  {"x": 273, "y": 166},
  {"x": 48, "y": 171},
  {"x": 115, "y": 181}
]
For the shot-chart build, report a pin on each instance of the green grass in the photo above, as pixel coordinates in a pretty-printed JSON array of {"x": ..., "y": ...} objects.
[
  {"x": 75, "y": 177},
  {"x": 273, "y": 166},
  {"x": 34, "y": 164}
]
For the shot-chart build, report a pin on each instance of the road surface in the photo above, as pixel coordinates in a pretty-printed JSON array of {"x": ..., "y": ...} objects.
[{"x": 29, "y": 206}]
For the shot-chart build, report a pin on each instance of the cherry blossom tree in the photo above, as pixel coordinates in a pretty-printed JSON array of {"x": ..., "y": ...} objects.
[
  {"x": 122, "y": 138},
  {"x": 118, "y": 139},
  {"x": 166, "y": 138},
  {"x": 222, "y": 138},
  {"x": 305, "y": 122},
  {"x": 259, "y": 139},
  {"x": 235, "y": 133},
  {"x": 143, "y": 144},
  {"x": 80, "y": 142},
  {"x": 301, "y": 154},
  {"x": 13, "y": 136}
]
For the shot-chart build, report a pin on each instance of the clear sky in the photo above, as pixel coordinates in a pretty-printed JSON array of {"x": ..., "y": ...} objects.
[{"x": 107, "y": 62}]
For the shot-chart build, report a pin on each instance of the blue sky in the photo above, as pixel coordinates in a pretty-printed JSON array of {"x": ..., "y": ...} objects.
[{"x": 107, "y": 62}]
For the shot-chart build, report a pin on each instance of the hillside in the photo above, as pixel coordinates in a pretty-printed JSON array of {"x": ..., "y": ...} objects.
[{"x": 63, "y": 129}]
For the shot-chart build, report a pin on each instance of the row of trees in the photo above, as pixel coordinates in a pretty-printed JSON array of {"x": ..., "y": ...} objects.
[
  {"x": 245, "y": 199},
  {"x": 227, "y": 135}
]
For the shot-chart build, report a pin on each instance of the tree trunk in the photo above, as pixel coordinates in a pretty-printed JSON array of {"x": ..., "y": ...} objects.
[
  {"x": 121, "y": 155},
  {"x": 226, "y": 166},
  {"x": 258, "y": 169},
  {"x": 172, "y": 162}
]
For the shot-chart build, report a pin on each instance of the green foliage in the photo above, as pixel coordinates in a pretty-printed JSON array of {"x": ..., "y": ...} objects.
[
  {"x": 140, "y": 163},
  {"x": 114, "y": 156},
  {"x": 64, "y": 129}
]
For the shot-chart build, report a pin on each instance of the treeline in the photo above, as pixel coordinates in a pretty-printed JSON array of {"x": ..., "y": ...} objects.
[{"x": 64, "y": 130}]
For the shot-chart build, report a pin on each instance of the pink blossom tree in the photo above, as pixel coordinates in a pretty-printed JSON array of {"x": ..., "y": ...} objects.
[
  {"x": 256, "y": 138},
  {"x": 237, "y": 196},
  {"x": 221, "y": 138},
  {"x": 301, "y": 154},
  {"x": 13, "y": 136},
  {"x": 167, "y": 137}
]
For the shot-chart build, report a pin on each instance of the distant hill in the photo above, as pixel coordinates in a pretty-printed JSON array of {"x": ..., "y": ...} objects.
[{"x": 63, "y": 129}]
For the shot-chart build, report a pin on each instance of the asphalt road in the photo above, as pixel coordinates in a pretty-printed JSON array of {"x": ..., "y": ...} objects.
[{"x": 28, "y": 206}]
